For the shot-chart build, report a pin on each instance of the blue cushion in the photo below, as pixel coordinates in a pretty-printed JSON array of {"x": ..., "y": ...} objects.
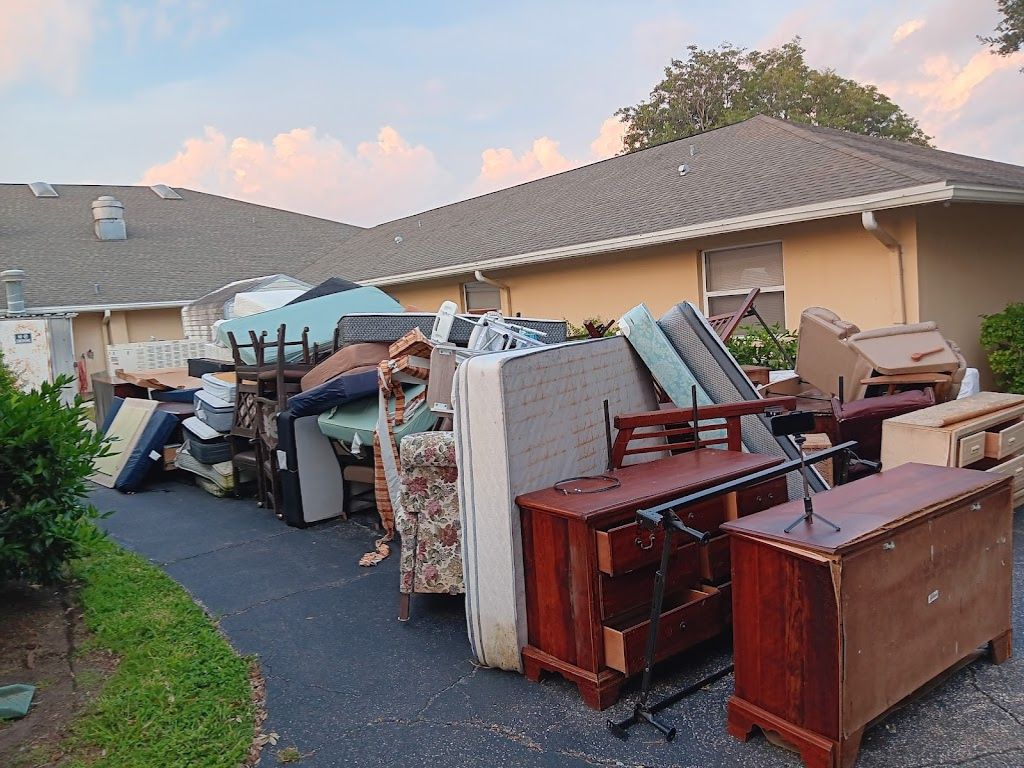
[{"x": 337, "y": 391}]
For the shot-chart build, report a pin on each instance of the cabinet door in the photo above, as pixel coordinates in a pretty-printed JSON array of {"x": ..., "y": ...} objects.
[{"x": 917, "y": 602}]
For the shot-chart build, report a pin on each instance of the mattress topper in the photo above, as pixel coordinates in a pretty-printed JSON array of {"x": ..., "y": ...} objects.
[
  {"x": 201, "y": 429},
  {"x": 213, "y": 402}
]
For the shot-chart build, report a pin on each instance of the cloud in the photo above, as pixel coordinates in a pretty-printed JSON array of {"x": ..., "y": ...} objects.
[
  {"x": 305, "y": 171},
  {"x": 946, "y": 86},
  {"x": 501, "y": 167},
  {"x": 609, "y": 139},
  {"x": 906, "y": 29},
  {"x": 387, "y": 178},
  {"x": 45, "y": 42}
]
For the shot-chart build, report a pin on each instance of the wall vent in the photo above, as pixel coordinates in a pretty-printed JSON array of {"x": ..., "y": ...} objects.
[
  {"x": 164, "y": 192},
  {"x": 42, "y": 189},
  {"x": 108, "y": 218}
]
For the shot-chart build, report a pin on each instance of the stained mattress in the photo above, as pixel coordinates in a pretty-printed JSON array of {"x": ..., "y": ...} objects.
[
  {"x": 125, "y": 427},
  {"x": 319, "y": 315},
  {"x": 524, "y": 420},
  {"x": 384, "y": 327},
  {"x": 220, "y": 474},
  {"x": 718, "y": 373}
]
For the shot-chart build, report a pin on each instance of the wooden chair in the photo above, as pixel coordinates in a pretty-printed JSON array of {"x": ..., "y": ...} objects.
[
  {"x": 245, "y": 423},
  {"x": 726, "y": 325}
]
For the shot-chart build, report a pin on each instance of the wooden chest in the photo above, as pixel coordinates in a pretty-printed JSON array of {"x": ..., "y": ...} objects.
[
  {"x": 589, "y": 570},
  {"x": 984, "y": 431},
  {"x": 832, "y": 629}
]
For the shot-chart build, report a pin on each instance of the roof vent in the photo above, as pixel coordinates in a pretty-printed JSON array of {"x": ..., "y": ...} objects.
[
  {"x": 42, "y": 189},
  {"x": 13, "y": 280},
  {"x": 108, "y": 216},
  {"x": 165, "y": 193}
]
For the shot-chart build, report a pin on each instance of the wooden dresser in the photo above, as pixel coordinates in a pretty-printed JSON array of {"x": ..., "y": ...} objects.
[
  {"x": 984, "y": 431},
  {"x": 589, "y": 569},
  {"x": 832, "y": 629}
]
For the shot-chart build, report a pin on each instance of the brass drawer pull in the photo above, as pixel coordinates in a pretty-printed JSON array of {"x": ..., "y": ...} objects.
[{"x": 640, "y": 543}]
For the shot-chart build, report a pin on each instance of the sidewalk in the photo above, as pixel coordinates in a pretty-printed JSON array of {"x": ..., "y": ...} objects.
[{"x": 347, "y": 684}]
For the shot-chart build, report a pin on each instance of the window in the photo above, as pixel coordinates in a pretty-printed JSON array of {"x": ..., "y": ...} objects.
[
  {"x": 480, "y": 297},
  {"x": 730, "y": 273}
]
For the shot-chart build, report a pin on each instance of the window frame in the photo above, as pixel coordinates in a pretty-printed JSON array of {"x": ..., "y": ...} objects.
[
  {"x": 709, "y": 294},
  {"x": 465, "y": 298}
]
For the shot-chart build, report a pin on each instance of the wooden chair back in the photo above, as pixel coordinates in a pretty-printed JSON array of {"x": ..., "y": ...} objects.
[
  {"x": 674, "y": 430},
  {"x": 725, "y": 325}
]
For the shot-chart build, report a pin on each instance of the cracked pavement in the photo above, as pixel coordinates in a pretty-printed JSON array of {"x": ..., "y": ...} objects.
[{"x": 347, "y": 684}]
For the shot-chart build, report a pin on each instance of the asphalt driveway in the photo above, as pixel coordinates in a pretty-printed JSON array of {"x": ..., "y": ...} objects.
[{"x": 347, "y": 684}]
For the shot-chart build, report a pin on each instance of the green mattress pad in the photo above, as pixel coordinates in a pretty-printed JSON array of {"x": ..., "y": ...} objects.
[{"x": 359, "y": 417}]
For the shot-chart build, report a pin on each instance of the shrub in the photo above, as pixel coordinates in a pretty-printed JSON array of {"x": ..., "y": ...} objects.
[
  {"x": 46, "y": 454},
  {"x": 574, "y": 331},
  {"x": 753, "y": 345},
  {"x": 1002, "y": 336},
  {"x": 8, "y": 381}
]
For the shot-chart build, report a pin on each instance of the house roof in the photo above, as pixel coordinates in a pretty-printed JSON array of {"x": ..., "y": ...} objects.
[
  {"x": 760, "y": 172},
  {"x": 176, "y": 250}
]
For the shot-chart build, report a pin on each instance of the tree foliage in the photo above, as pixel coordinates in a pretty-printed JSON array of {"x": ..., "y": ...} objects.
[
  {"x": 719, "y": 86},
  {"x": 1009, "y": 37},
  {"x": 46, "y": 454}
]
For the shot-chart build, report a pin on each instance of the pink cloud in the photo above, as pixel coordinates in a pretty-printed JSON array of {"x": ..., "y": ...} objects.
[
  {"x": 45, "y": 41},
  {"x": 501, "y": 167},
  {"x": 906, "y": 29},
  {"x": 317, "y": 174},
  {"x": 609, "y": 139}
]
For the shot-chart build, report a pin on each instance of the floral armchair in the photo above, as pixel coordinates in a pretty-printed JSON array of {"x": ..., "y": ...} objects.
[{"x": 427, "y": 518}]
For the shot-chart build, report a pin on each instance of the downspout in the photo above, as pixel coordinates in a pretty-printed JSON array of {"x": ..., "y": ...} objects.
[
  {"x": 506, "y": 292},
  {"x": 106, "y": 331},
  {"x": 886, "y": 238}
]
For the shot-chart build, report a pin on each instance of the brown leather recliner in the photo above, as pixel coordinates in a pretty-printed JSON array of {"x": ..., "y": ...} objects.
[{"x": 875, "y": 361}]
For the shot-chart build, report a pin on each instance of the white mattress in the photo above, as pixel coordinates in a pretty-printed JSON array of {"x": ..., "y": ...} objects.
[
  {"x": 524, "y": 420},
  {"x": 220, "y": 385}
]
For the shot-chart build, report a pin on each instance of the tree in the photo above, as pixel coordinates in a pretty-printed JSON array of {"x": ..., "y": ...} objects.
[
  {"x": 719, "y": 86},
  {"x": 1010, "y": 31}
]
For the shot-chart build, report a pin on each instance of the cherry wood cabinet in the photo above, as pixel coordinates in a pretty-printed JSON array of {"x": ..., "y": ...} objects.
[
  {"x": 832, "y": 629},
  {"x": 590, "y": 570}
]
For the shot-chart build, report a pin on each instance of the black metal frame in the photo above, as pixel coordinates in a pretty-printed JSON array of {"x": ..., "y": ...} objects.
[{"x": 664, "y": 515}]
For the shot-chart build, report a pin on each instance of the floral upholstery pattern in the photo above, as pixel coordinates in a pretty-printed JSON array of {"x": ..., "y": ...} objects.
[{"x": 428, "y": 516}]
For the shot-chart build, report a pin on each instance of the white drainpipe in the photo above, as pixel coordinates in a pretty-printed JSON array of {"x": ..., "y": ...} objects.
[
  {"x": 886, "y": 238},
  {"x": 506, "y": 293}
]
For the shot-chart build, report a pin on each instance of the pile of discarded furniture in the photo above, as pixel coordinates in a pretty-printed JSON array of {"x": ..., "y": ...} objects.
[{"x": 609, "y": 503}]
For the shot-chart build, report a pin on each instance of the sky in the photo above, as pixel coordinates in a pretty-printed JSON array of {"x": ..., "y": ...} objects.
[{"x": 365, "y": 112}]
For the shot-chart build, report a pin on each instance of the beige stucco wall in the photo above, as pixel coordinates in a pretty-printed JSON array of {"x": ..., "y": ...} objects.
[
  {"x": 158, "y": 324},
  {"x": 972, "y": 263},
  {"x": 88, "y": 334},
  {"x": 833, "y": 263}
]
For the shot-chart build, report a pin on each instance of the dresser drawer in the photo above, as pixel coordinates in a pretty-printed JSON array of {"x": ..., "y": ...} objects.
[
  {"x": 970, "y": 449},
  {"x": 1004, "y": 442},
  {"x": 714, "y": 560},
  {"x": 1015, "y": 469},
  {"x": 627, "y": 547},
  {"x": 625, "y": 593},
  {"x": 689, "y": 618},
  {"x": 762, "y": 496}
]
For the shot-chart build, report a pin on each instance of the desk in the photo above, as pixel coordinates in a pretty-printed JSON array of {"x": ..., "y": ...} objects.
[
  {"x": 589, "y": 571},
  {"x": 832, "y": 629}
]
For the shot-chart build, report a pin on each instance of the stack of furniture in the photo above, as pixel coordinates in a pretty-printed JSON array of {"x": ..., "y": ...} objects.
[
  {"x": 984, "y": 431},
  {"x": 590, "y": 570},
  {"x": 833, "y": 629}
]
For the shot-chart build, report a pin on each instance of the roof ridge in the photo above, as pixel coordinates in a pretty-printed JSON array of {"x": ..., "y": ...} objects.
[{"x": 890, "y": 165}]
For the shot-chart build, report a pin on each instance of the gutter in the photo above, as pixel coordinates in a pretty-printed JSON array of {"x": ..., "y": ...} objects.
[
  {"x": 126, "y": 307},
  {"x": 926, "y": 193},
  {"x": 887, "y": 239}
]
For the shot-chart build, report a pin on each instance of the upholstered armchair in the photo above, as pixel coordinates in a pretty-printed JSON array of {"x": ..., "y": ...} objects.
[{"x": 427, "y": 518}]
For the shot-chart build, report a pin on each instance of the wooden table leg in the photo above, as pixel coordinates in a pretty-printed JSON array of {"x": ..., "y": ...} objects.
[{"x": 1001, "y": 647}]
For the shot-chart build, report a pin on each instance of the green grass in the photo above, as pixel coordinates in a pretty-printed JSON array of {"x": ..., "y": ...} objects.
[{"x": 180, "y": 696}]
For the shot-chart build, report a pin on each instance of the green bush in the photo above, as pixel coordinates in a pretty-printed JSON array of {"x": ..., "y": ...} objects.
[
  {"x": 574, "y": 331},
  {"x": 1002, "y": 336},
  {"x": 8, "y": 380},
  {"x": 752, "y": 345},
  {"x": 46, "y": 454}
]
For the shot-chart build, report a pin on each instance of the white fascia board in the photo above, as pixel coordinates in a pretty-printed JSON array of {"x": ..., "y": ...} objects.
[
  {"x": 127, "y": 307},
  {"x": 935, "y": 192}
]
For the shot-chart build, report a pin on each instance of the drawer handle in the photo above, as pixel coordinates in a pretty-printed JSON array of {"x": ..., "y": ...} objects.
[
  {"x": 640, "y": 542},
  {"x": 757, "y": 499},
  {"x": 1011, "y": 439},
  {"x": 889, "y": 545},
  {"x": 975, "y": 448},
  {"x": 682, "y": 626},
  {"x": 976, "y": 506}
]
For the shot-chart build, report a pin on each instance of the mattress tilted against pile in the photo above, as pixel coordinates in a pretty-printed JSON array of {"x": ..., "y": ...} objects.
[{"x": 524, "y": 420}]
